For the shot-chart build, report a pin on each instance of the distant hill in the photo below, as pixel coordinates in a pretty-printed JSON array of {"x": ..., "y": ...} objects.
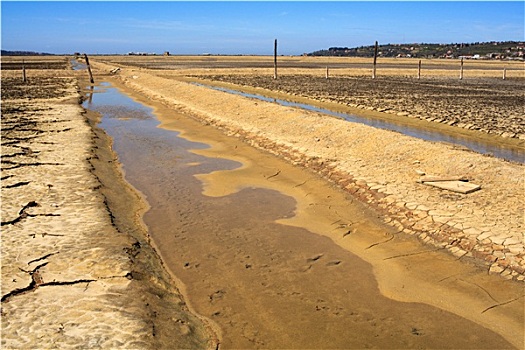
[
  {"x": 24, "y": 53},
  {"x": 486, "y": 50}
]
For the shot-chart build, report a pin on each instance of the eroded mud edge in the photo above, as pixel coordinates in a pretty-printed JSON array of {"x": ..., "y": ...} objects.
[
  {"x": 311, "y": 163},
  {"x": 162, "y": 292},
  {"x": 398, "y": 215},
  {"x": 439, "y": 235}
]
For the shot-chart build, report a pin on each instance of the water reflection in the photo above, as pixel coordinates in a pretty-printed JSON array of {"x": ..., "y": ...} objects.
[
  {"x": 90, "y": 94},
  {"x": 251, "y": 275},
  {"x": 126, "y": 120},
  {"x": 76, "y": 65}
]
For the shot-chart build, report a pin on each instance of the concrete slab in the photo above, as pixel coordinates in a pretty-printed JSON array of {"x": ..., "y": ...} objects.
[{"x": 455, "y": 186}]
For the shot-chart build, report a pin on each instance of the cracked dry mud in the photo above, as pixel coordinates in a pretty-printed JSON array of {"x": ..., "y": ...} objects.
[
  {"x": 489, "y": 105},
  {"x": 379, "y": 167},
  {"x": 71, "y": 277},
  {"x": 87, "y": 282}
]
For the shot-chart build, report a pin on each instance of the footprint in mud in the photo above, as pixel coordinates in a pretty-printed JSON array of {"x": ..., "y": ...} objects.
[
  {"x": 309, "y": 261},
  {"x": 315, "y": 258},
  {"x": 416, "y": 331},
  {"x": 319, "y": 256},
  {"x": 305, "y": 268},
  {"x": 217, "y": 295}
]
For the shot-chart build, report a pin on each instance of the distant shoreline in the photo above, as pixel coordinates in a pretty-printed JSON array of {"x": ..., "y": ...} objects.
[{"x": 491, "y": 50}]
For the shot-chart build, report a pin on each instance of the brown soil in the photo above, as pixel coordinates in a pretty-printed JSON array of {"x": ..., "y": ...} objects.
[
  {"x": 37, "y": 88},
  {"x": 490, "y": 105},
  {"x": 77, "y": 266},
  {"x": 321, "y": 144},
  {"x": 288, "y": 278},
  {"x": 32, "y": 64}
]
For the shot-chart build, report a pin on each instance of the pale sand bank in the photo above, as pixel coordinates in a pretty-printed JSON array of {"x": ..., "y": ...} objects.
[
  {"x": 379, "y": 166},
  {"x": 379, "y": 178},
  {"x": 73, "y": 274}
]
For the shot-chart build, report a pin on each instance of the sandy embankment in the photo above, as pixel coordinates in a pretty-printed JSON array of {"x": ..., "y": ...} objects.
[
  {"x": 379, "y": 167},
  {"x": 330, "y": 145},
  {"x": 77, "y": 269},
  {"x": 70, "y": 276}
]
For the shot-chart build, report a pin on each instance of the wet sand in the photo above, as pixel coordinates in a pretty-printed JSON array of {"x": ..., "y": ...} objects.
[
  {"x": 280, "y": 283},
  {"x": 275, "y": 266},
  {"x": 379, "y": 167},
  {"x": 77, "y": 268}
]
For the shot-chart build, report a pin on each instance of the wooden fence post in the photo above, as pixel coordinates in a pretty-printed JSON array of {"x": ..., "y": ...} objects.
[
  {"x": 24, "y": 78},
  {"x": 89, "y": 69},
  {"x": 275, "y": 59},
  {"x": 461, "y": 71},
  {"x": 375, "y": 61},
  {"x": 504, "y": 73},
  {"x": 419, "y": 70},
  {"x": 326, "y": 72},
  {"x": 91, "y": 92}
]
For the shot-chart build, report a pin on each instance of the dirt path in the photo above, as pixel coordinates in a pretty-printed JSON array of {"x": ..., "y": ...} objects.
[{"x": 386, "y": 181}]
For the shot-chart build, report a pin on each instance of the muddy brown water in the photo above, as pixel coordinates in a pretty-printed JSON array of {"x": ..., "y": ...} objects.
[{"x": 247, "y": 260}]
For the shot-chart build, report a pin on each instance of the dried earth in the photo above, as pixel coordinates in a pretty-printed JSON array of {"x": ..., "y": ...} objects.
[
  {"x": 77, "y": 268},
  {"x": 494, "y": 106},
  {"x": 380, "y": 168},
  {"x": 77, "y": 264}
]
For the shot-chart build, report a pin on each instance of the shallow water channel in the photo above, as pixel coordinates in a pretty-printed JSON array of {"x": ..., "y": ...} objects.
[
  {"x": 219, "y": 226},
  {"x": 474, "y": 145}
]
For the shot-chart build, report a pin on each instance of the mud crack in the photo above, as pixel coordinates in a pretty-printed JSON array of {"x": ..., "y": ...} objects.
[
  {"x": 22, "y": 214},
  {"x": 34, "y": 285},
  {"x": 412, "y": 254},
  {"x": 501, "y": 304},
  {"x": 38, "y": 281},
  {"x": 18, "y": 184},
  {"x": 483, "y": 289},
  {"x": 41, "y": 258},
  {"x": 274, "y": 175},
  {"x": 17, "y": 165},
  {"x": 382, "y": 242}
]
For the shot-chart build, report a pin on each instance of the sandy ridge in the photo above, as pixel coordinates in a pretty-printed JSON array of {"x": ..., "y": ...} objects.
[
  {"x": 488, "y": 106},
  {"x": 72, "y": 277},
  {"x": 54, "y": 245},
  {"x": 377, "y": 166}
]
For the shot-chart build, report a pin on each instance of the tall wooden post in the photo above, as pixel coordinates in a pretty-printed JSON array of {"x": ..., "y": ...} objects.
[
  {"x": 375, "y": 61},
  {"x": 504, "y": 73},
  {"x": 275, "y": 59},
  {"x": 24, "y": 78},
  {"x": 89, "y": 69},
  {"x": 419, "y": 70},
  {"x": 326, "y": 72},
  {"x": 461, "y": 70}
]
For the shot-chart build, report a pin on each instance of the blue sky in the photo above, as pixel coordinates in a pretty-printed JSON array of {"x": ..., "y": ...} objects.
[{"x": 238, "y": 27}]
